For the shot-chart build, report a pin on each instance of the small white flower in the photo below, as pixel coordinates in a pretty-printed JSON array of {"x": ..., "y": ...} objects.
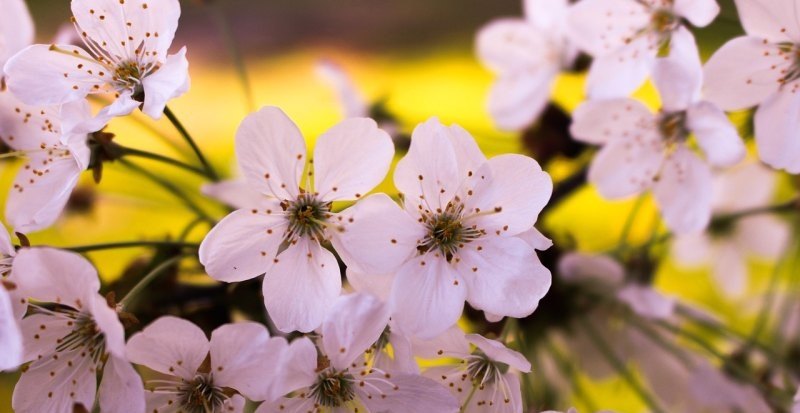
[
  {"x": 16, "y": 30},
  {"x": 625, "y": 37},
  {"x": 69, "y": 343},
  {"x": 527, "y": 55},
  {"x": 208, "y": 376},
  {"x": 281, "y": 236},
  {"x": 645, "y": 151},
  {"x": 126, "y": 54}
]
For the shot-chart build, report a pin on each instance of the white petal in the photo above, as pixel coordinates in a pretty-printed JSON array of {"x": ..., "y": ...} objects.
[
  {"x": 601, "y": 121},
  {"x": 381, "y": 237},
  {"x": 622, "y": 72},
  {"x": 6, "y": 247},
  {"x": 692, "y": 249},
  {"x": 504, "y": 276},
  {"x": 108, "y": 323},
  {"x": 716, "y": 135},
  {"x": 777, "y": 122},
  {"x": 123, "y": 105},
  {"x": 507, "y": 194},
  {"x": 518, "y": 99},
  {"x": 601, "y": 27},
  {"x": 168, "y": 82},
  {"x": 452, "y": 342},
  {"x": 350, "y": 159},
  {"x": 775, "y": 20},
  {"x": 378, "y": 285},
  {"x": 743, "y": 73},
  {"x": 171, "y": 346},
  {"x": 41, "y": 191},
  {"x": 300, "y": 289},
  {"x": 271, "y": 152},
  {"x": 301, "y": 366},
  {"x": 468, "y": 154},
  {"x": 235, "y": 193},
  {"x": 39, "y": 344},
  {"x": 10, "y": 335},
  {"x": 751, "y": 185},
  {"x": 427, "y": 297},
  {"x": 512, "y": 45},
  {"x": 699, "y": 12},
  {"x": 679, "y": 76},
  {"x": 577, "y": 267},
  {"x": 546, "y": 14},
  {"x": 629, "y": 165},
  {"x": 353, "y": 103},
  {"x": 16, "y": 29},
  {"x": 148, "y": 18},
  {"x": 27, "y": 128},
  {"x": 56, "y": 387},
  {"x": 244, "y": 244},
  {"x": 647, "y": 302},
  {"x": 121, "y": 389},
  {"x": 765, "y": 236},
  {"x": 354, "y": 323},
  {"x": 536, "y": 239},
  {"x": 683, "y": 192},
  {"x": 55, "y": 276},
  {"x": 497, "y": 351},
  {"x": 413, "y": 393},
  {"x": 295, "y": 404}
]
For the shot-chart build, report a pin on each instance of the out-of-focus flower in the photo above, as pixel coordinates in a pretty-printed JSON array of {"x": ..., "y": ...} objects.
[
  {"x": 457, "y": 238},
  {"x": 281, "y": 236},
  {"x": 16, "y": 30},
  {"x": 644, "y": 151},
  {"x": 527, "y": 55},
  {"x": 574, "y": 410},
  {"x": 56, "y": 159},
  {"x": 354, "y": 105},
  {"x": 762, "y": 69},
  {"x": 126, "y": 55},
  {"x": 625, "y": 37},
  {"x": 210, "y": 376},
  {"x": 334, "y": 377},
  {"x": 713, "y": 389},
  {"x": 728, "y": 245},
  {"x": 10, "y": 335},
  {"x": 70, "y": 338},
  {"x": 796, "y": 406}
]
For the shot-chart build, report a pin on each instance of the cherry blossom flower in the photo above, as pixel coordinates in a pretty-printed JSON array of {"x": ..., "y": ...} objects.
[
  {"x": 16, "y": 30},
  {"x": 457, "y": 238},
  {"x": 125, "y": 54},
  {"x": 625, "y": 37},
  {"x": 485, "y": 380},
  {"x": 527, "y": 55},
  {"x": 241, "y": 359},
  {"x": 282, "y": 236},
  {"x": 728, "y": 244},
  {"x": 335, "y": 376},
  {"x": 645, "y": 151},
  {"x": 55, "y": 160},
  {"x": 761, "y": 69},
  {"x": 71, "y": 340}
]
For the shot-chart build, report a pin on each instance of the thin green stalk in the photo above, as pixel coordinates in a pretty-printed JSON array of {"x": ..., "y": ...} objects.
[
  {"x": 131, "y": 244},
  {"x": 628, "y": 226},
  {"x": 469, "y": 398},
  {"x": 163, "y": 159},
  {"x": 147, "y": 279},
  {"x": 768, "y": 304},
  {"x": 189, "y": 228},
  {"x": 170, "y": 187},
  {"x": 788, "y": 206},
  {"x": 568, "y": 369},
  {"x": 210, "y": 173}
]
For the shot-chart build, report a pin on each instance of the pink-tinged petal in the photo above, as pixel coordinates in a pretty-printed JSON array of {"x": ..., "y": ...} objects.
[
  {"x": 236, "y": 193},
  {"x": 775, "y": 20},
  {"x": 169, "y": 345},
  {"x": 683, "y": 192},
  {"x": 764, "y": 236},
  {"x": 353, "y": 103},
  {"x": 749, "y": 186},
  {"x": 505, "y": 400},
  {"x": 716, "y": 135},
  {"x": 170, "y": 81},
  {"x": 507, "y": 194},
  {"x": 38, "y": 342},
  {"x": 288, "y": 405},
  {"x": 301, "y": 287},
  {"x": 354, "y": 323},
  {"x": 351, "y": 159},
  {"x": 577, "y": 267},
  {"x": 601, "y": 27},
  {"x": 55, "y": 276},
  {"x": 402, "y": 359},
  {"x": 427, "y": 297},
  {"x": 381, "y": 237},
  {"x": 679, "y": 76},
  {"x": 16, "y": 29},
  {"x": 699, "y": 12},
  {"x": 57, "y": 386},
  {"x": 104, "y": 23},
  {"x": 452, "y": 343},
  {"x": 509, "y": 46},
  {"x": 716, "y": 390},
  {"x": 730, "y": 269},
  {"x": 623, "y": 71},
  {"x": 244, "y": 357},
  {"x": 429, "y": 175},
  {"x": 411, "y": 393},
  {"x": 41, "y": 191},
  {"x": 378, "y": 285},
  {"x": 647, "y": 302},
  {"x": 504, "y": 276},
  {"x": 108, "y": 323},
  {"x": 6, "y": 247},
  {"x": 497, "y": 351},
  {"x": 301, "y": 366},
  {"x": 121, "y": 389},
  {"x": 693, "y": 249},
  {"x": 235, "y": 404},
  {"x": 777, "y": 121},
  {"x": 36, "y": 74},
  {"x": 123, "y": 105},
  {"x": 536, "y": 239},
  {"x": 10, "y": 334},
  {"x": 468, "y": 154},
  {"x": 244, "y": 244},
  {"x": 601, "y": 121},
  {"x": 27, "y": 128},
  {"x": 628, "y": 166},
  {"x": 517, "y": 99},
  {"x": 546, "y": 14},
  {"x": 148, "y": 18},
  {"x": 743, "y": 73},
  {"x": 271, "y": 152}
]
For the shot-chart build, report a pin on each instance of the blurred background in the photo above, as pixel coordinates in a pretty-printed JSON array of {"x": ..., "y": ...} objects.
[{"x": 415, "y": 57}]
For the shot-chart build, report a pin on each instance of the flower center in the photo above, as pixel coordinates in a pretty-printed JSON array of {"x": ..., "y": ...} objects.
[
  {"x": 333, "y": 388},
  {"x": 790, "y": 52},
  {"x": 200, "y": 395},
  {"x": 84, "y": 335},
  {"x": 128, "y": 76},
  {"x": 664, "y": 21},
  {"x": 673, "y": 127},
  {"x": 308, "y": 216},
  {"x": 446, "y": 232},
  {"x": 483, "y": 370}
]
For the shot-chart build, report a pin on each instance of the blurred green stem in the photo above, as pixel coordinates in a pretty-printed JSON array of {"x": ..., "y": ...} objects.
[
  {"x": 163, "y": 159},
  {"x": 469, "y": 398},
  {"x": 131, "y": 244},
  {"x": 210, "y": 173},
  {"x": 568, "y": 370},
  {"x": 218, "y": 14},
  {"x": 626, "y": 229},
  {"x": 147, "y": 279}
]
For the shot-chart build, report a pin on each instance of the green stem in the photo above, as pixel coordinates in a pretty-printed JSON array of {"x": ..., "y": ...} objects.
[
  {"x": 163, "y": 159},
  {"x": 147, "y": 279},
  {"x": 568, "y": 370},
  {"x": 787, "y": 206},
  {"x": 210, "y": 173},
  {"x": 469, "y": 398},
  {"x": 131, "y": 244},
  {"x": 628, "y": 226},
  {"x": 508, "y": 328}
]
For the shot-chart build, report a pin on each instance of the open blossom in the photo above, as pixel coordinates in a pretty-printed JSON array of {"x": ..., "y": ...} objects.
[
  {"x": 527, "y": 55},
  {"x": 16, "y": 30},
  {"x": 125, "y": 54},
  {"x": 336, "y": 376},
  {"x": 208, "y": 376},
  {"x": 457, "y": 239},
  {"x": 645, "y": 151},
  {"x": 727, "y": 245},
  {"x": 625, "y": 37},
  {"x": 302, "y": 280},
  {"x": 72, "y": 340},
  {"x": 761, "y": 69}
]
